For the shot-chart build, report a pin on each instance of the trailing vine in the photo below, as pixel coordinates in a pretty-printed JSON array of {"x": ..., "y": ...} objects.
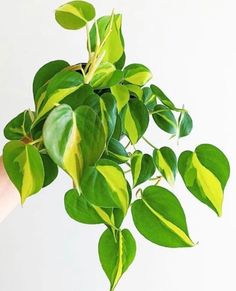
[{"x": 88, "y": 120}]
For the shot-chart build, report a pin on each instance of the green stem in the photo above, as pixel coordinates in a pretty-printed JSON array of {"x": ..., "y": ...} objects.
[
  {"x": 149, "y": 143},
  {"x": 39, "y": 140}
]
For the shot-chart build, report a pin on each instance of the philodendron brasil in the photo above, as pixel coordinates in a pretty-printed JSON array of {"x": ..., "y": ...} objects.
[{"x": 83, "y": 117}]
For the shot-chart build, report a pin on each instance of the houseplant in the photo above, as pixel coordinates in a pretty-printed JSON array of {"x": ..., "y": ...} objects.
[{"x": 82, "y": 113}]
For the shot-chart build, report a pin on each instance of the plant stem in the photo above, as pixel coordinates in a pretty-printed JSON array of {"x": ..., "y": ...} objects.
[
  {"x": 36, "y": 141},
  {"x": 88, "y": 41},
  {"x": 149, "y": 143}
]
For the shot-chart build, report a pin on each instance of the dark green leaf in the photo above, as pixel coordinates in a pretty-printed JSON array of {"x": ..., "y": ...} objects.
[
  {"x": 185, "y": 124},
  {"x": 165, "y": 119},
  {"x": 162, "y": 97},
  {"x": 159, "y": 217},
  {"x": 50, "y": 170},
  {"x": 116, "y": 152}
]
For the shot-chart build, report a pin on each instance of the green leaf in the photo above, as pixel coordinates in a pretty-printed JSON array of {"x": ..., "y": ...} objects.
[
  {"x": 75, "y": 15},
  {"x": 79, "y": 140},
  {"x": 50, "y": 170},
  {"x": 108, "y": 111},
  {"x": 135, "y": 120},
  {"x": 165, "y": 119},
  {"x": 47, "y": 72},
  {"x": 24, "y": 167},
  {"x": 149, "y": 98},
  {"x": 137, "y": 74},
  {"x": 185, "y": 124},
  {"x": 104, "y": 185},
  {"x": 60, "y": 86},
  {"x": 109, "y": 29},
  {"x": 142, "y": 167},
  {"x": 106, "y": 76},
  {"x": 79, "y": 209},
  {"x": 159, "y": 217},
  {"x": 135, "y": 91},
  {"x": 116, "y": 255},
  {"x": 121, "y": 94},
  {"x": 121, "y": 62},
  {"x": 117, "y": 134},
  {"x": 162, "y": 97},
  {"x": 166, "y": 163},
  {"x": 19, "y": 127},
  {"x": 116, "y": 152},
  {"x": 205, "y": 173}
]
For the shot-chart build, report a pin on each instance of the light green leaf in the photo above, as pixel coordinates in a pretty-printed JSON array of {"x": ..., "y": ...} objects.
[
  {"x": 116, "y": 152},
  {"x": 162, "y": 97},
  {"x": 75, "y": 15},
  {"x": 24, "y": 167},
  {"x": 142, "y": 167},
  {"x": 19, "y": 127},
  {"x": 111, "y": 39},
  {"x": 104, "y": 185},
  {"x": 135, "y": 120},
  {"x": 166, "y": 162},
  {"x": 121, "y": 94},
  {"x": 185, "y": 124},
  {"x": 135, "y": 91},
  {"x": 159, "y": 217},
  {"x": 79, "y": 141},
  {"x": 47, "y": 72},
  {"x": 165, "y": 119},
  {"x": 106, "y": 76},
  {"x": 205, "y": 173},
  {"x": 116, "y": 255},
  {"x": 108, "y": 111},
  {"x": 60, "y": 86},
  {"x": 137, "y": 74}
]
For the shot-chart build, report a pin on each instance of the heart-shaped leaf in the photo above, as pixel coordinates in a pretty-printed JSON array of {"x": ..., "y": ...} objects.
[
  {"x": 135, "y": 120},
  {"x": 142, "y": 167},
  {"x": 116, "y": 152},
  {"x": 50, "y": 170},
  {"x": 205, "y": 173},
  {"x": 116, "y": 255},
  {"x": 137, "y": 74},
  {"x": 60, "y": 86},
  {"x": 159, "y": 217},
  {"x": 121, "y": 94},
  {"x": 104, "y": 185},
  {"x": 24, "y": 167},
  {"x": 185, "y": 124},
  {"x": 79, "y": 141},
  {"x": 166, "y": 163},
  {"x": 47, "y": 72},
  {"x": 19, "y": 127},
  {"x": 165, "y": 119},
  {"x": 75, "y": 15}
]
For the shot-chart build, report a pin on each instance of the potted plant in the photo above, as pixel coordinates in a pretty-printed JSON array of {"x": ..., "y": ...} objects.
[{"x": 83, "y": 115}]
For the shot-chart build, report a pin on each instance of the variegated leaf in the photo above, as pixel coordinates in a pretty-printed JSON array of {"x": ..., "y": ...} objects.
[
  {"x": 116, "y": 254},
  {"x": 104, "y": 185},
  {"x": 166, "y": 162},
  {"x": 205, "y": 173},
  {"x": 159, "y": 217},
  {"x": 79, "y": 140},
  {"x": 24, "y": 166},
  {"x": 75, "y": 15},
  {"x": 137, "y": 74},
  {"x": 142, "y": 167}
]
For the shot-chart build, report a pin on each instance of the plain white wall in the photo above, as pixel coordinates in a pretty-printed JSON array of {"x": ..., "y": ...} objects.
[{"x": 190, "y": 47}]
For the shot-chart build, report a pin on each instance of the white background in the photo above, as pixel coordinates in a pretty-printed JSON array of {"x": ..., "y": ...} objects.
[{"x": 190, "y": 46}]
